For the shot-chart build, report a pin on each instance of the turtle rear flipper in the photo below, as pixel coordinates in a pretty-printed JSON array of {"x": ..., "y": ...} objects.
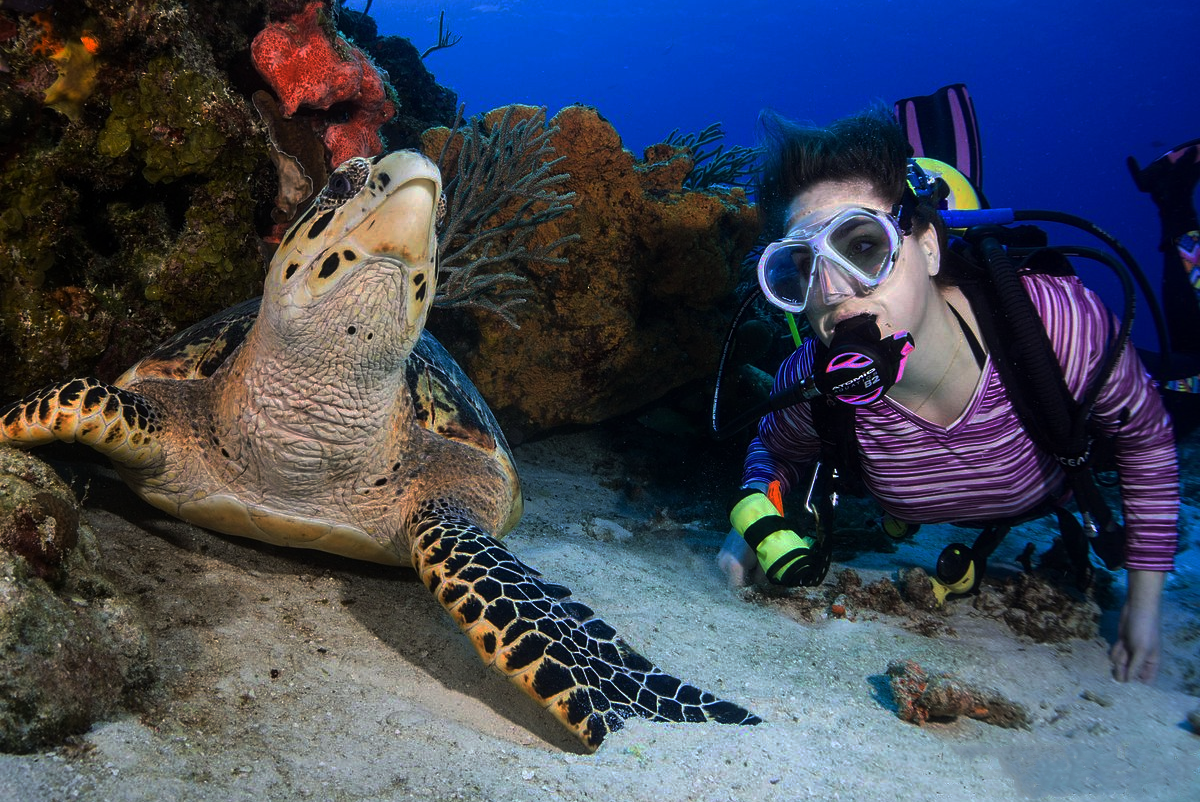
[
  {"x": 116, "y": 422},
  {"x": 555, "y": 649}
]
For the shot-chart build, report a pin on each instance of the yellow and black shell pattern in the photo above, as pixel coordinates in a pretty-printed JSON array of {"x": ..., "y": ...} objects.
[
  {"x": 445, "y": 401},
  {"x": 197, "y": 351}
]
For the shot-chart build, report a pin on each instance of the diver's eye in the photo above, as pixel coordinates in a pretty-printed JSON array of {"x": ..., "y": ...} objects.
[
  {"x": 861, "y": 247},
  {"x": 344, "y": 183}
]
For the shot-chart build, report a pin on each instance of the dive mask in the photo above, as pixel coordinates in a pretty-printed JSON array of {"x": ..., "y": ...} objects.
[{"x": 862, "y": 243}]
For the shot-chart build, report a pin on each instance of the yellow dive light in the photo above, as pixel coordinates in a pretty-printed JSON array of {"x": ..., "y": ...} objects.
[
  {"x": 785, "y": 556},
  {"x": 955, "y": 572}
]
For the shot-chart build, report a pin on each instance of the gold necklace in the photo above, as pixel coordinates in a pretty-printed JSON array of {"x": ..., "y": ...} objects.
[{"x": 945, "y": 373}]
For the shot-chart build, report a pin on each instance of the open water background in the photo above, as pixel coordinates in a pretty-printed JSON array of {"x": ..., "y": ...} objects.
[{"x": 1064, "y": 91}]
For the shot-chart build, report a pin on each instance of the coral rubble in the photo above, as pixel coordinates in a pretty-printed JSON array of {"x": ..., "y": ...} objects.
[
  {"x": 1034, "y": 607},
  {"x": 847, "y": 597}
]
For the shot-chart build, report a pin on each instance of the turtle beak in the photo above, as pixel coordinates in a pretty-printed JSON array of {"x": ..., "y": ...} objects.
[{"x": 412, "y": 233}]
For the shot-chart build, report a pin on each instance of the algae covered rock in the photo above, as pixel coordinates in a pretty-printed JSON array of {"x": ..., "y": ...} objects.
[
  {"x": 130, "y": 202},
  {"x": 1033, "y": 606},
  {"x": 72, "y": 650}
]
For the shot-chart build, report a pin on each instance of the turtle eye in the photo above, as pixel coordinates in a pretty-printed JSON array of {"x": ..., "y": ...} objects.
[{"x": 344, "y": 183}]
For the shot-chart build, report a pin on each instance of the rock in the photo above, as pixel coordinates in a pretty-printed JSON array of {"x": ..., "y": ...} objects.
[
  {"x": 72, "y": 650},
  {"x": 607, "y": 531},
  {"x": 921, "y": 697},
  {"x": 918, "y": 589}
]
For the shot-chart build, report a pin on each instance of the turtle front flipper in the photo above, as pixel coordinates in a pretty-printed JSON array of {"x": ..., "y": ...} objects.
[
  {"x": 555, "y": 649},
  {"x": 116, "y": 422}
]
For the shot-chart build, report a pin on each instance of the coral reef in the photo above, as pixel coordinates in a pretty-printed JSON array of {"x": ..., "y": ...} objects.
[
  {"x": 139, "y": 202},
  {"x": 921, "y": 698},
  {"x": 499, "y": 185},
  {"x": 718, "y": 166},
  {"x": 72, "y": 650},
  {"x": 140, "y": 212},
  {"x": 637, "y": 310},
  {"x": 421, "y": 102},
  {"x": 445, "y": 38}
]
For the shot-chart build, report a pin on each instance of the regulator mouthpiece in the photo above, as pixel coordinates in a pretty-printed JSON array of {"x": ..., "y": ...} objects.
[{"x": 859, "y": 365}]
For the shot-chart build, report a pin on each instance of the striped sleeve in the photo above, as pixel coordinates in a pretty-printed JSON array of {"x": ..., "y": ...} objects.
[
  {"x": 786, "y": 442},
  {"x": 1128, "y": 408}
]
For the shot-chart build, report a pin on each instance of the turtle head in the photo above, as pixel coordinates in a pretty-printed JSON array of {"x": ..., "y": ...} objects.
[{"x": 355, "y": 276}]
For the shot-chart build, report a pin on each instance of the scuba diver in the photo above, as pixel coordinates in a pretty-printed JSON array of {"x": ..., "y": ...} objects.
[
  {"x": 1170, "y": 180},
  {"x": 935, "y": 421}
]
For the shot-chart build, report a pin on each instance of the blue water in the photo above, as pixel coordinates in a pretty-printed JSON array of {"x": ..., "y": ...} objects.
[{"x": 1064, "y": 91}]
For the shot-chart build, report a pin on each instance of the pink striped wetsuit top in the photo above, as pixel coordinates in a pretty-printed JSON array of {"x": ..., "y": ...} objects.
[{"x": 984, "y": 466}]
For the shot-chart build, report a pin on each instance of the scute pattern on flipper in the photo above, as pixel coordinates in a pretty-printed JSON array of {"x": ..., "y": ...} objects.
[
  {"x": 554, "y": 648},
  {"x": 444, "y": 399},
  {"x": 114, "y": 421},
  {"x": 197, "y": 351}
]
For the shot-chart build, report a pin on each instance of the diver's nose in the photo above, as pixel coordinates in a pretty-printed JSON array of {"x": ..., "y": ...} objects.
[{"x": 834, "y": 284}]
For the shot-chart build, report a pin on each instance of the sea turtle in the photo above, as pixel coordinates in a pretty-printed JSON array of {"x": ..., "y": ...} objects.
[{"x": 323, "y": 416}]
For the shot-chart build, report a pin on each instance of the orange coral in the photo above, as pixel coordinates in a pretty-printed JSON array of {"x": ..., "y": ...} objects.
[{"x": 48, "y": 45}]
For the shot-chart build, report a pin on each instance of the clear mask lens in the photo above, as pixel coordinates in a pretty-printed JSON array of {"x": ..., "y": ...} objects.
[{"x": 862, "y": 243}]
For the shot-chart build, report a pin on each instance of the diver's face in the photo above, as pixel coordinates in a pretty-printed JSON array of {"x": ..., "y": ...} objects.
[{"x": 900, "y": 301}]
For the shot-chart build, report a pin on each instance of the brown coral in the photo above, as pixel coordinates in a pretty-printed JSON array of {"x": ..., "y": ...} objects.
[
  {"x": 634, "y": 313},
  {"x": 1034, "y": 607}
]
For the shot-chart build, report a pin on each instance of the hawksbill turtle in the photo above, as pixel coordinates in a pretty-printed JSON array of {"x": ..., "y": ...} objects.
[{"x": 324, "y": 416}]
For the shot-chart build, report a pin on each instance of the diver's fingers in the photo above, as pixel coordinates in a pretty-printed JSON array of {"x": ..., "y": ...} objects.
[
  {"x": 1148, "y": 669},
  {"x": 1120, "y": 661},
  {"x": 737, "y": 561}
]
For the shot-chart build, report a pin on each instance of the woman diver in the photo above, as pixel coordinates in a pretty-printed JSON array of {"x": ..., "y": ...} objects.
[{"x": 944, "y": 443}]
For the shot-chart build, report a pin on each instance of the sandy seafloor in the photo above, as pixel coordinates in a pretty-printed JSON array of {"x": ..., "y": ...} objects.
[{"x": 290, "y": 675}]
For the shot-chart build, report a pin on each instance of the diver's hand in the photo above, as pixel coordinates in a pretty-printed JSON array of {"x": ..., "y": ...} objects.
[
  {"x": 1136, "y": 653},
  {"x": 737, "y": 561}
]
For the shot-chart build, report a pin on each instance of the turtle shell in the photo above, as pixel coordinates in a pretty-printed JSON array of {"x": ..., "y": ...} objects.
[
  {"x": 444, "y": 399},
  {"x": 197, "y": 351}
]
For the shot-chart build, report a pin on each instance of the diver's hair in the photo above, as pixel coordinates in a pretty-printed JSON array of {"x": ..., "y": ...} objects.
[{"x": 868, "y": 146}]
